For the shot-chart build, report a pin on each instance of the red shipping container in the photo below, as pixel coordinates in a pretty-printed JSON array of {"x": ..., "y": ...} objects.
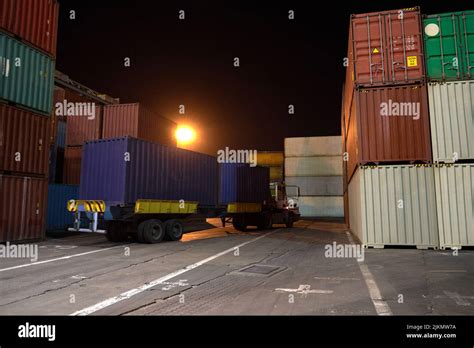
[
  {"x": 23, "y": 203},
  {"x": 388, "y": 125},
  {"x": 82, "y": 128},
  {"x": 24, "y": 141},
  {"x": 72, "y": 165},
  {"x": 134, "y": 120},
  {"x": 33, "y": 21},
  {"x": 387, "y": 48}
]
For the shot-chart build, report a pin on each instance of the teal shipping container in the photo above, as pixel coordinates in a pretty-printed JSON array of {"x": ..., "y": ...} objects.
[
  {"x": 58, "y": 217},
  {"x": 449, "y": 46},
  {"x": 26, "y": 76}
]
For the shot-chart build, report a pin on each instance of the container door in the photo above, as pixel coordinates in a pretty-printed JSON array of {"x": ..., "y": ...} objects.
[
  {"x": 466, "y": 23},
  {"x": 443, "y": 47},
  {"x": 369, "y": 50},
  {"x": 404, "y": 46}
]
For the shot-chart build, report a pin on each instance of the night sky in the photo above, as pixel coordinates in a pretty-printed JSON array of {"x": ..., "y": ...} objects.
[{"x": 191, "y": 62}]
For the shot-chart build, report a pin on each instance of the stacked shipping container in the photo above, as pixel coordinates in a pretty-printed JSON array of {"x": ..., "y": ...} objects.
[
  {"x": 449, "y": 49},
  {"x": 274, "y": 160},
  {"x": 27, "y": 55},
  {"x": 385, "y": 122},
  {"x": 314, "y": 165}
]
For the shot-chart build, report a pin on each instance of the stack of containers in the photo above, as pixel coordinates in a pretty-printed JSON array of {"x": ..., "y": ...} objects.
[
  {"x": 449, "y": 51},
  {"x": 274, "y": 160},
  {"x": 314, "y": 165},
  {"x": 386, "y": 132},
  {"x": 27, "y": 53}
]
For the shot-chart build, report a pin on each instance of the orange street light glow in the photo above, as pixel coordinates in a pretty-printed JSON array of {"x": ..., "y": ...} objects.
[{"x": 185, "y": 135}]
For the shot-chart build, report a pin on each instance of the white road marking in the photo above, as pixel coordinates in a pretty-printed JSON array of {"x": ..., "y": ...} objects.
[
  {"x": 381, "y": 306},
  {"x": 57, "y": 259},
  {"x": 304, "y": 290},
  {"x": 128, "y": 294}
]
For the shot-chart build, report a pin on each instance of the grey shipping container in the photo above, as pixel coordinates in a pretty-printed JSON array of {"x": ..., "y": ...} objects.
[
  {"x": 455, "y": 202},
  {"x": 451, "y": 107},
  {"x": 122, "y": 170},
  {"x": 317, "y": 185},
  {"x": 394, "y": 205}
]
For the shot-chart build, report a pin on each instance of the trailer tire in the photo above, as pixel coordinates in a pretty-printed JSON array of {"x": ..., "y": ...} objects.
[
  {"x": 153, "y": 231},
  {"x": 289, "y": 221},
  {"x": 140, "y": 231},
  {"x": 173, "y": 229},
  {"x": 239, "y": 223}
]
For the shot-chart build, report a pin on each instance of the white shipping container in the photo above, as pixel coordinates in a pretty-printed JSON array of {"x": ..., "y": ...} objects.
[
  {"x": 451, "y": 106},
  {"x": 313, "y": 166},
  {"x": 313, "y": 146},
  {"x": 394, "y": 205},
  {"x": 321, "y": 206},
  {"x": 316, "y": 185},
  {"x": 455, "y": 203}
]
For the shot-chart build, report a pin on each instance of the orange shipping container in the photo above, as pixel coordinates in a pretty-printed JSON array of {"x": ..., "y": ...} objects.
[
  {"x": 34, "y": 21},
  {"x": 72, "y": 165},
  {"x": 83, "y": 128},
  {"x": 134, "y": 120},
  {"x": 23, "y": 203},
  {"x": 24, "y": 136}
]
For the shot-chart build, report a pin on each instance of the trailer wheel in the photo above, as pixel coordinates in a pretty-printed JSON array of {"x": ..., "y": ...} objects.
[
  {"x": 173, "y": 229},
  {"x": 140, "y": 231},
  {"x": 239, "y": 223},
  {"x": 153, "y": 231},
  {"x": 289, "y": 221}
]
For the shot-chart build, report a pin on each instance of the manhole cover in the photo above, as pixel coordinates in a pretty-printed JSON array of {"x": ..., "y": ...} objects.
[{"x": 264, "y": 270}]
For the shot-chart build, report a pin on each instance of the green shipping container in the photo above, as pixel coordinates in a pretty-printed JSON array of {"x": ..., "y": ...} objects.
[
  {"x": 449, "y": 46},
  {"x": 26, "y": 76}
]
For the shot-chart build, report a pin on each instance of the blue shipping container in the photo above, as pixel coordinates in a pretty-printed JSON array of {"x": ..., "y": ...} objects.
[
  {"x": 240, "y": 183},
  {"x": 58, "y": 217},
  {"x": 122, "y": 170},
  {"x": 61, "y": 134}
]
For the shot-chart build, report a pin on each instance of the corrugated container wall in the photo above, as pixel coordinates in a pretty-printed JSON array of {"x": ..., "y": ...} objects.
[
  {"x": 26, "y": 76},
  {"x": 317, "y": 185},
  {"x": 22, "y": 208},
  {"x": 449, "y": 46},
  {"x": 135, "y": 121},
  {"x": 153, "y": 171},
  {"x": 84, "y": 128},
  {"x": 24, "y": 141},
  {"x": 72, "y": 165},
  {"x": 388, "y": 124},
  {"x": 313, "y": 146},
  {"x": 387, "y": 48},
  {"x": 455, "y": 202},
  {"x": 240, "y": 183},
  {"x": 35, "y": 21},
  {"x": 313, "y": 166},
  {"x": 452, "y": 120},
  {"x": 394, "y": 205},
  {"x": 59, "y": 218}
]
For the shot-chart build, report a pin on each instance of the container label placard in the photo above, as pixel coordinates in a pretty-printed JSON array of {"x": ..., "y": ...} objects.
[{"x": 412, "y": 61}]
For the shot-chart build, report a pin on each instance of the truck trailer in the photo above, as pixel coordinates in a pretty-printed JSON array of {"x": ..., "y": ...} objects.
[{"x": 144, "y": 190}]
